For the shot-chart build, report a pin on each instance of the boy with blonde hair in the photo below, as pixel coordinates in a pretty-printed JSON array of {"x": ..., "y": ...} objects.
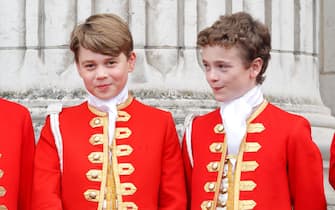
[{"x": 114, "y": 151}]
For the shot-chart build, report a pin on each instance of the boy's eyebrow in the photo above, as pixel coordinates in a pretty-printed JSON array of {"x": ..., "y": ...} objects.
[
  {"x": 86, "y": 61},
  {"x": 217, "y": 61}
]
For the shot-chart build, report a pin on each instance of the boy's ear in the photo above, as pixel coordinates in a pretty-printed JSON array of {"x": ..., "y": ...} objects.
[
  {"x": 131, "y": 61},
  {"x": 256, "y": 67}
]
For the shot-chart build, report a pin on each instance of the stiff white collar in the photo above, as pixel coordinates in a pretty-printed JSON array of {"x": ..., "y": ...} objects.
[{"x": 234, "y": 116}]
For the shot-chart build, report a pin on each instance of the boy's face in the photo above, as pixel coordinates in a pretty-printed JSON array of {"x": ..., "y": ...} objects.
[
  {"x": 226, "y": 73},
  {"x": 104, "y": 76}
]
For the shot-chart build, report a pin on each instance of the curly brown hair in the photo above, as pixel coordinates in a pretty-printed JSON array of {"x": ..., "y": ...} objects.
[
  {"x": 106, "y": 34},
  {"x": 243, "y": 31}
]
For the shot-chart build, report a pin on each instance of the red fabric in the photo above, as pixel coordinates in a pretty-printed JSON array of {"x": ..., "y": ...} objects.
[
  {"x": 156, "y": 157},
  {"x": 17, "y": 151},
  {"x": 290, "y": 172},
  {"x": 332, "y": 164}
]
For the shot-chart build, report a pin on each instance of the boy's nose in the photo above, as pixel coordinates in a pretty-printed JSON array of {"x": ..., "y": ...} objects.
[
  {"x": 101, "y": 72},
  {"x": 212, "y": 75}
]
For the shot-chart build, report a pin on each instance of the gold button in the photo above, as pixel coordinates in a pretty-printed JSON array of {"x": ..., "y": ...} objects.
[
  {"x": 209, "y": 205},
  {"x": 3, "y": 207},
  {"x": 1, "y": 173},
  {"x": 0, "y": 155},
  {"x": 92, "y": 195},
  {"x": 94, "y": 175},
  {"x": 2, "y": 191},
  {"x": 218, "y": 147},
  {"x": 97, "y": 121},
  {"x": 219, "y": 128},
  {"x": 215, "y": 166},
  {"x": 211, "y": 186},
  {"x": 96, "y": 139},
  {"x": 96, "y": 157}
]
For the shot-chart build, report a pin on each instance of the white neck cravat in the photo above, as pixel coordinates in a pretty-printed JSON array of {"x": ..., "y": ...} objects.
[
  {"x": 234, "y": 116},
  {"x": 110, "y": 107}
]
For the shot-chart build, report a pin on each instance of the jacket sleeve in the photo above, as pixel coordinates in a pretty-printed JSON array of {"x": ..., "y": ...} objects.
[
  {"x": 27, "y": 159},
  {"x": 172, "y": 188},
  {"x": 305, "y": 170},
  {"x": 46, "y": 182},
  {"x": 332, "y": 164}
]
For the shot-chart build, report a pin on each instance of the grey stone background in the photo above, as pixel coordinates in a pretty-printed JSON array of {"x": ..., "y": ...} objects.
[{"x": 37, "y": 67}]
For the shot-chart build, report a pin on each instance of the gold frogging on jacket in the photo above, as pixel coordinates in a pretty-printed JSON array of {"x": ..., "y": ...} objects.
[{"x": 111, "y": 188}]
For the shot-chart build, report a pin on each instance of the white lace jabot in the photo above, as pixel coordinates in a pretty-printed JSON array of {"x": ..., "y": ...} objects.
[{"x": 234, "y": 116}]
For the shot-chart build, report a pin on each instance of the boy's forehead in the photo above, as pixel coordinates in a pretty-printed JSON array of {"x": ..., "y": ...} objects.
[
  {"x": 220, "y": 49},
  {"x": 93, "y": 51},
  {"x": 220, "y": 53}
]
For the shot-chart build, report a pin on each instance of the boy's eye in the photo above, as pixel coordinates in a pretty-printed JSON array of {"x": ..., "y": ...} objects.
[
  {"x": 89, "y": 66},
  {"x": 111, "y": 62},
  {"x": 206, "y": 66},
  {"x": 223, "y": 67}
]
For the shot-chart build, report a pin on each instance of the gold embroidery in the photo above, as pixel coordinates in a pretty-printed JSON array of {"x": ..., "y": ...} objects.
[
  {"x": 126, "y": 169},
  {"x": 123, "y": 116},
  {"x": 116, "y": 174},
  {"x": 105, "y": 163},
  {"x": 231, "y": 185},
  {"x": 128, "y": 206},
  {"x": 247, "y": 185},
  {"x": 122, "y": 133},
  {"x": 255, "y": 128},
  {"x": 123, "y": 150},
  {"x": 249, "y": 166},
  {"x": 128, "y": 188},
  {"x": 111, "y": 199},
  {"x": 126, "y": 103},
  {"x": 247, "y": 204},
  {"x": 252, "y": 147},
  {"x": 258, "y": 111}
]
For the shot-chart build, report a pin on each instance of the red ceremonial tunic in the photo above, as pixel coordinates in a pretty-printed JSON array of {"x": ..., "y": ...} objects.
[
  {"x": 16, "y": 156},
  {"x": 332, "y": 163},
  {"x": 278, "y": 167},
  {"x": 146, "y": 172}
]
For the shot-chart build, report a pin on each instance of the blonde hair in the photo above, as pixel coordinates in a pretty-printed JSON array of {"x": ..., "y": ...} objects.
[{"x": 106, "y": 34}]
